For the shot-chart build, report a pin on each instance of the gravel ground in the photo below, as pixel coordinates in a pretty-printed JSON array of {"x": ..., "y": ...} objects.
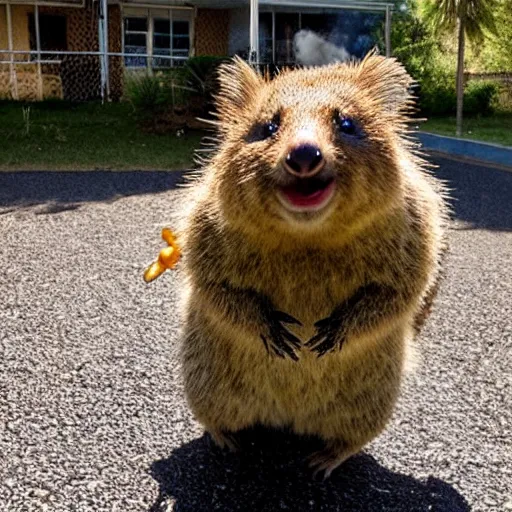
[{"x": 92, "y": 414}]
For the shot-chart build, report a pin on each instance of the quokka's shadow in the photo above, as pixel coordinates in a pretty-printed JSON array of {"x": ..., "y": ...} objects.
[{"x": 270, "y": 474}]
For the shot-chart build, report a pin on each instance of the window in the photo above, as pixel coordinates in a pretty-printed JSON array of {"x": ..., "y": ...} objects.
[
  {"x": 161, "y": 42},
  {"x": 168, "y": 37},
  {"x": 278, "y": 47},
  {"x": 265, "y": 37},
  {"x": 322, "y": 24},
  {"x": 135, "y": 41},
  {"x": 354, "y": 32},
  {"x": 52, "y": 34},
  {"x": 180, "y": 39},
  {"x": 287, "y": 25}
]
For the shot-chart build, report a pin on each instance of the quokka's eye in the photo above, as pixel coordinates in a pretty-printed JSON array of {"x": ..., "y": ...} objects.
[
  {"x": 347, "y": 126},
  {"x": 263, "y": 131},
  {"x": 269, "y": 129}
]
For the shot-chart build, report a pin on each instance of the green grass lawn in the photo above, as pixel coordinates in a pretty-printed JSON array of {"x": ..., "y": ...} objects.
[
  {"x": 496, "y": 128},
  {"x": 59, "y": 135}
]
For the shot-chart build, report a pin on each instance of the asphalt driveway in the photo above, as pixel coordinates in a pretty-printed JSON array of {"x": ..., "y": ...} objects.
[{"x": 92, "y": 414}]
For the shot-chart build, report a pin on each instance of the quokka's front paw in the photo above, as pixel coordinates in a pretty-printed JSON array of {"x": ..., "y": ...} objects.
[
  {"x": 278, "y": 340},
  {"x": 330, "y": 334}
]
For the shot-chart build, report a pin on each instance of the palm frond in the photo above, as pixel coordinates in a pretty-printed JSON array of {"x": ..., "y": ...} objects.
[{"x": 478, "y": 16}]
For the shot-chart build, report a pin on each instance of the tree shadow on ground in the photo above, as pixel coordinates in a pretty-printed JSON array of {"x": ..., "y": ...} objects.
[
  {"x": 66, "y": 190},
  {"x": 480, "y": 196},
  {"x": 270, "y": 474}
]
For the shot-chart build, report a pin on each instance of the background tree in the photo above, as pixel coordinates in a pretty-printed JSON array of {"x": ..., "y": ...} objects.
[
  {"x": 495, "y": 55},
  {"x": 471, "y": 18}
]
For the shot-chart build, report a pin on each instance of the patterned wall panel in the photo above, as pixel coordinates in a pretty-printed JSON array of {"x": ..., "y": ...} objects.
[{"x": 211, "y": 32}]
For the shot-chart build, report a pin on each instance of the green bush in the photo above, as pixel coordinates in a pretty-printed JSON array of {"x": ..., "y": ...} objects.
[
  {"x": 201, "y": 76},
  {"x": 201, "y": 73},
  {"x": 479, "y": 97},
  {"x": 438, "y": 97},
  {"x": 158, "y": 94},
  {"x": 147, "y": 94}
]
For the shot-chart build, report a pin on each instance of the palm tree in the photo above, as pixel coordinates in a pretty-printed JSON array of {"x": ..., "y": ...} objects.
[{"x": 471, "y": 18}]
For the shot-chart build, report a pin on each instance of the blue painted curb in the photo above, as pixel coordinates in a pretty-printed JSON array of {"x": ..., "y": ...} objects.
[{"x": 493, "y": 153}]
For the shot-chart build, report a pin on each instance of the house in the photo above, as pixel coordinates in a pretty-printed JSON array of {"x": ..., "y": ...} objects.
[{"x": 81, "y": 49}]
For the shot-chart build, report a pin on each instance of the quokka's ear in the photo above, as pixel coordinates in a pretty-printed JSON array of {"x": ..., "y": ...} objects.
[
  {"x": 387, "y": 80},
  {"x": 239, "y": 83}
]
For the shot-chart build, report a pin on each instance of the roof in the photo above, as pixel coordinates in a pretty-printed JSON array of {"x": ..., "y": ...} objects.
[
  {"x": 305, "y": 4},
  {"x": 372, "y": 5}
]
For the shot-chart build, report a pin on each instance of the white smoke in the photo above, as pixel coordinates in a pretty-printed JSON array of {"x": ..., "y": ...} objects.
[{"x": 313, "y": 50}]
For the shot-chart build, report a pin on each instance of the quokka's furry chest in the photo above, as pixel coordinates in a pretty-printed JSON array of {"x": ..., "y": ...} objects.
[
  {"x": 241, "y": 384},
  {"x": 307, "y": 283}
]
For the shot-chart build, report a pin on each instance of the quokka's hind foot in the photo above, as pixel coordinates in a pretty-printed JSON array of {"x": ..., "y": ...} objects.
[
  {"x": 224, "y": 440},
  {"x": 324, "y": 462}
]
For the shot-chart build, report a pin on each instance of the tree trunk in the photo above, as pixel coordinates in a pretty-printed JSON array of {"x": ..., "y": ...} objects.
[{"x": 460, "y": 73}]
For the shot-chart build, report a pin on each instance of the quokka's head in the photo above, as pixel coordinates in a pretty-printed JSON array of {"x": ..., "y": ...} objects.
[{"x": 312, "y": 148}]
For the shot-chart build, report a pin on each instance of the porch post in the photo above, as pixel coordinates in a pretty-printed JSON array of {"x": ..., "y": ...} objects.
[
  {"x": 105, "y": 47},
  {"x": 254, "y": 47},
  {"x": 273, "y": 35},
  {"x": 101, "y": 49},
  {"x": 149, "y": 42},
  {"x": 388, "y": 31},
  {"x": 12, "y": 70},
  {"x": 40, "y": 91}
]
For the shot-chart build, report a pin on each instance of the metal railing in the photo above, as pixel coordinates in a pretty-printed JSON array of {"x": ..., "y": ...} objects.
[{"x": 63, "y": 71}]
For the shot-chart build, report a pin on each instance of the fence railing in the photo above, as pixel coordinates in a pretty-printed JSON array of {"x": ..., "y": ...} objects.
[
  {"x": 74, "y": 75},
  {"x": 496, "y": 77}
]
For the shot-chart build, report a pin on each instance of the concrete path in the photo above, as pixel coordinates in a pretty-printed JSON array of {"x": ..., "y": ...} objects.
[{"x": 92, "y": 415}]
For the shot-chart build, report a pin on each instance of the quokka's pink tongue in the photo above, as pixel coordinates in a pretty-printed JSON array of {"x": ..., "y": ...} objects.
[{"x": 301, "y": 198}]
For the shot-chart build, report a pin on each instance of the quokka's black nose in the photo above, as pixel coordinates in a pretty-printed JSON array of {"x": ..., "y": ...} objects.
[{"x": 304, "y": 160}]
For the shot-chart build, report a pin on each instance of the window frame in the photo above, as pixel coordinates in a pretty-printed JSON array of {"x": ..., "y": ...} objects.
[
  {"x": 135, "y": 33},
  {"x": 151, "y": 15},
  {"x": 300, "y": 12}
]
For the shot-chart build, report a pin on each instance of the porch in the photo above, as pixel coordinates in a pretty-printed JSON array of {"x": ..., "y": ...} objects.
[{"x": 80, "y": 49}]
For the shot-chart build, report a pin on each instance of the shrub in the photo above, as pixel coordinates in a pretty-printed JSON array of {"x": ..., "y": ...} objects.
[
  {"x": 158, "y": 99},
  {"x": 201, "y": 77},
  {"x": 201, "y": 72},
  {"x": 479, "y": 97},
  {"x": 437, "y": 96},
  {"x": 147, "y": 93}
]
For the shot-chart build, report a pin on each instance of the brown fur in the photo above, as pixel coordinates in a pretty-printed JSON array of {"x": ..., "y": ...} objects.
[{"x": 372, "y": 256}]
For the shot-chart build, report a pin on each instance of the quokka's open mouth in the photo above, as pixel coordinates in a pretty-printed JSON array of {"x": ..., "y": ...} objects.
[{"x": 310, "y": 194}]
